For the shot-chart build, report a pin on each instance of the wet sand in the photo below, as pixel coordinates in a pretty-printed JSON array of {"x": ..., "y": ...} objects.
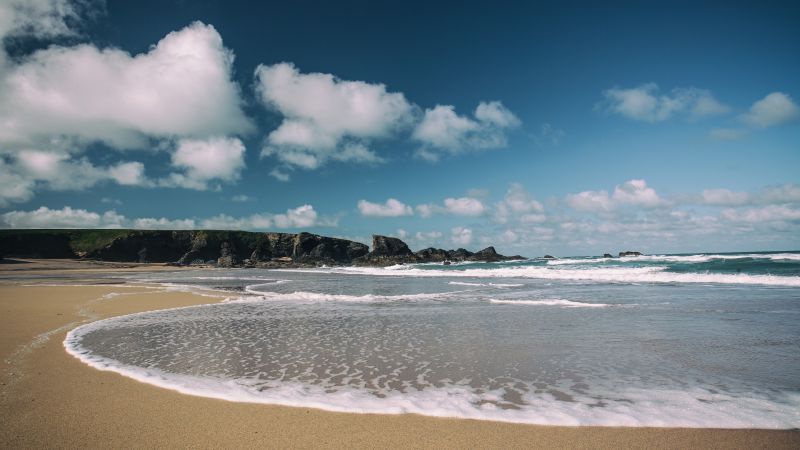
[{"x": 50, "y": 399}]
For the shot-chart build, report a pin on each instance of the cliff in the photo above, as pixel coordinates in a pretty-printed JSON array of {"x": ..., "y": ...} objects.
[{"x": 223, "y": 248}]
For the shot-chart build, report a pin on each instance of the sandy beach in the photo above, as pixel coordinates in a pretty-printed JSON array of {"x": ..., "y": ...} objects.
[{"x": 50, "y": 399}]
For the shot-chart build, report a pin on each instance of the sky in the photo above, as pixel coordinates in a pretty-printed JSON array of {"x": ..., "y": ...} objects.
[{"x": 561, "y": 128}]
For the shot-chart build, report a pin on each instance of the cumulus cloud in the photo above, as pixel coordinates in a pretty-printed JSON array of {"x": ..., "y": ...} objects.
[
  {"x": 442, "y": 131},
  {"x": 202, "y": 161},
  {"x": 774, "y": 109},
  {"x": 66, "y": 217},
  {"x": 770, "y": 213},
  {"x": 391, "y": 208},
  {"x": 646, "y": 103},
  {"x": 325, "y": 118},
  {"x": 461, "y": 206},
  {"x": 590, "y": 201},
  {"x": 461, "y": 236},
  {"x": 41, "y": 18},
  {"x": 518, "y": 203},
  {"x": 301, "y": 217},
  {"x": 29, "y": 169},
  {"x": 770, "y": 195},
  {"x": 182, "y": 86},
  {"x": 724, "y": 197},
  {"x": 632, "y": 192},
  {"x": 57, "y": 101},
  {"x": 636, "y": 192}
]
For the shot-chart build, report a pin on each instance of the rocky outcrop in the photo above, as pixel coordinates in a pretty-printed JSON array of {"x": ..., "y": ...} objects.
[
  {"x": 548, "y": 257},
  {"x": 607, "y": 255},
  {"x": 388, "y": 251},
  {"x": 384, "y": 246},
  {"x": 224, "y": 248},
  {"x": 629, "y": 253}
]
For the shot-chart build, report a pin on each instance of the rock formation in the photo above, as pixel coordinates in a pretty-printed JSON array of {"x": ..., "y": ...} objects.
[
  {"x": 224, "y": 248},
  {"x": 629, "y": 253}
]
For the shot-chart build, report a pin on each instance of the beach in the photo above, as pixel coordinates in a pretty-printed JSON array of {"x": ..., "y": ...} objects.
[{"x": 51, "y": 399}]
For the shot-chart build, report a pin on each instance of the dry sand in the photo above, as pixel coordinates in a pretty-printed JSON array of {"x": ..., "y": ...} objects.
[{"x": 50, "y": 399}]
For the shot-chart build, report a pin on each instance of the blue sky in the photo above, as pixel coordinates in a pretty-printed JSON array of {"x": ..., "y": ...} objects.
[{"x": 539, "y": 128}]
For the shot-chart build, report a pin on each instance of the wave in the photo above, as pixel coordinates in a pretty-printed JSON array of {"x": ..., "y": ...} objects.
[
  {"x": 302, "y": 296},
  {"x": 550, "y": 302},
  {"x": 653, "y": 274},
  {"x": 699, "y": 258},
  {"x": 623, "y": 406},
  {"x": 500, "y": 285}
]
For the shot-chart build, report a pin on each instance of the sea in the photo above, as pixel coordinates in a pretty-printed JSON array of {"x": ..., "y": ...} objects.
[{"x": 690, "y": 340}]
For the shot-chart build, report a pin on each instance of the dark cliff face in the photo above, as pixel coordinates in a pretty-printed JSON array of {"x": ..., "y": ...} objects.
[
  {"x": 223, "y": 248},
  {"x": 384, "y": 246}
]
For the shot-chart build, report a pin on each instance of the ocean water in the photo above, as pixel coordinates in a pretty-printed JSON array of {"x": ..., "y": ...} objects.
[{"x": 676, "y": 340}]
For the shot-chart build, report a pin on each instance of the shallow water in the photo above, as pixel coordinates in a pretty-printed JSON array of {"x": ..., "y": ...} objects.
[{"x": 572, "y": 342}]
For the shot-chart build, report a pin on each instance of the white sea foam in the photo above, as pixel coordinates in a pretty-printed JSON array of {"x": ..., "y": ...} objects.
[
  {"x": 301, "y": 296},
  {"x": 654, "y": 274},
  {"x": 622, "y": 406},
  {"x": 550, "y": 302},
  {"x": 500, "y": 285},
  {"x": 700, "y": 258}
]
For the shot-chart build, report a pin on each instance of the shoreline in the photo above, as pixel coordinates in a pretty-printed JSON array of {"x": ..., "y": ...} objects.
[{"x": 82, "y": 406}]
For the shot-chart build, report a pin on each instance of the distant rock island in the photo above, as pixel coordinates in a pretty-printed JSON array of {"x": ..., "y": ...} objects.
[{"x": 225, "y": 248}]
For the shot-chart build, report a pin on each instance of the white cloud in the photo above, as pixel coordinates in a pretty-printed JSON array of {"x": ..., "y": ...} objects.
[
  {"x": 774, "y": 109},
  {"x": 443, "y": 131},
  {"x": 590, "y": 201},
  {"x": 56, "y": 101},
  {"x": 464, "y": 206},
  {"x": 461, "y": 206},
  {"x": 645, "y": 103},
  {"x": 279, "y": 175},
  {"x": 631, "y": 192},
  {"x": 66, "y": 217},
  {"x": 326, "y": 118},
  {"x": 636, "y": 192},
  {"x": 520, "y": 204},
  {"x": 40, "y": 18},
  {"x": 29, "y": 169},
  {"x": 202, "y": 161},
  {"x": 149, "y": 223},
  {"x": 461, "y": 236},
  {"x": 785, "y": 193},
  {"x": 518, "y": 200},
  {"x": 301, "y": 217},
  {"x": 391, "y": 208},
  {"x": 770, "y": 213},
  {"x": 242, "y": 198},
  {"x": 182, "y": 86},
  {"x": 724, "y": 197}
]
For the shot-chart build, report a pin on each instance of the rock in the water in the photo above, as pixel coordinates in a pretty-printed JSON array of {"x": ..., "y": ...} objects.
[
  {"x": 549, "y": 257},
  {"x": 629, "y": 253},
  {"x": 489, "y": 254},
  {"x": 384, "y": 246},
  {"x": 607, "y": 255}
]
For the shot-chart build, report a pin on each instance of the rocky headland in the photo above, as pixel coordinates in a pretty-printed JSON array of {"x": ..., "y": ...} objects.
[{"x": 225, "y": 248}]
